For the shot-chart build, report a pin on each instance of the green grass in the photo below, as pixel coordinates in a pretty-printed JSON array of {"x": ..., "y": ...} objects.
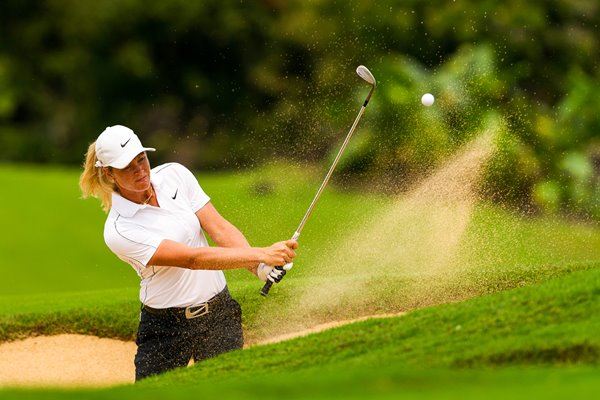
[
  {"x": 105, "y": 313},
  {"x": 520, "y": 318},
  {"x": 537, "y": 341},
  {"x": 53, "y": 239},
  {"x": 550, "y": 323},
  {"x": 386, "y": 383},
  {"x": 64, "y": 268}
]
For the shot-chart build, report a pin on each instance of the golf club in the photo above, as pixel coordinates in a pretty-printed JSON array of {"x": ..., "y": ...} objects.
[{"x": 365, "y": 74}]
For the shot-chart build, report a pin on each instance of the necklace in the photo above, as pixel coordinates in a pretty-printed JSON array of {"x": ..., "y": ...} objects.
[{"x": 149, "y": 197}]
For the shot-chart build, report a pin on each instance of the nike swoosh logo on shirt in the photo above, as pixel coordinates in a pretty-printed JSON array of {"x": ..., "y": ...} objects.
[
  {"x": 125, "y": 144},
  {"x": 175, "y": 195}
]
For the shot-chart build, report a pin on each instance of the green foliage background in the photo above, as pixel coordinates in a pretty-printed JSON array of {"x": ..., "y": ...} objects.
[{"x": 226, "y": 84}]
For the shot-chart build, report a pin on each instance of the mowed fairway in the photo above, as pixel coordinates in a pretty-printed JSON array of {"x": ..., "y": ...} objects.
[{"x": 521, "y": 320}]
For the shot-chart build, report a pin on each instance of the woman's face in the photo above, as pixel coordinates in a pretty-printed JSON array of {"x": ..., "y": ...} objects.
[{"x": 135, "y": 177}]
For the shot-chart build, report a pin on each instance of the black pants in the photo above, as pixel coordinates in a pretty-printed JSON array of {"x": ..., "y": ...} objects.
[{"x": 166, "y": 339}]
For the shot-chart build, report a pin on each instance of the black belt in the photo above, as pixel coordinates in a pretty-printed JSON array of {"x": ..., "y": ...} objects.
[{"x": 191, "y": 312}]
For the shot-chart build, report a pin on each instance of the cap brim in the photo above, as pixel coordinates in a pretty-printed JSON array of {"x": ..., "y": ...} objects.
[{"x": 127, "y": 157}]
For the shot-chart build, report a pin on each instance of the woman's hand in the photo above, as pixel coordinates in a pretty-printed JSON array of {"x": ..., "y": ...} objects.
[
  {"x": 275, "y": 275},
  {"x": 280, "y": 253}
]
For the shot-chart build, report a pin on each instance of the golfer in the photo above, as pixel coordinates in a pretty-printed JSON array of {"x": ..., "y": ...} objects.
[{"x": 157, "y": 221}]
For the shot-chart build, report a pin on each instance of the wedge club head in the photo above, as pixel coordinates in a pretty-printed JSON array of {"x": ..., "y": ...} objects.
[{"x": 364, "y": 73}]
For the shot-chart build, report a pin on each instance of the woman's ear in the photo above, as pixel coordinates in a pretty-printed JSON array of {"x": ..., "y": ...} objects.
[{"x": 108, "y": 173}]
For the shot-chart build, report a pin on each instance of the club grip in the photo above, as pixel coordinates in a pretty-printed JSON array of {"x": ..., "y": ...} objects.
[{"x": 267, "y": 286}]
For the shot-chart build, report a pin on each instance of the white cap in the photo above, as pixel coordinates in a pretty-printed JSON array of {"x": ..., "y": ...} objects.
[{"x": 117, "y": 146}]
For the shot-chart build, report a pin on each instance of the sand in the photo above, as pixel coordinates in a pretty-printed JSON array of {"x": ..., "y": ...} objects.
[{"x": 66, "y": 361}]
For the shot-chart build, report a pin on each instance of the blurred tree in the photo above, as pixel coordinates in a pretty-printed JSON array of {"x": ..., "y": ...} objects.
[{"x": 223, "y": 83}]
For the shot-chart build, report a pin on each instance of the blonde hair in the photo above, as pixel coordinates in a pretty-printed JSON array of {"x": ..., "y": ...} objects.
[{"x": 94, "y": 182}]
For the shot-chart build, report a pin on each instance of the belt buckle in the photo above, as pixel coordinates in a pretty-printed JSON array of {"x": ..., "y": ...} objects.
[{"x": 192, "y": 312}]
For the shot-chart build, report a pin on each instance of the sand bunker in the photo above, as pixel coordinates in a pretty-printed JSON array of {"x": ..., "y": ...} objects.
[
  {"x": 66, "y": 361},
  {"x": 88, "y": 361}
]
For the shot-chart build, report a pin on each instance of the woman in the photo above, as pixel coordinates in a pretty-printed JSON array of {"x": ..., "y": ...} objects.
[{"x": 156, "y": 222}]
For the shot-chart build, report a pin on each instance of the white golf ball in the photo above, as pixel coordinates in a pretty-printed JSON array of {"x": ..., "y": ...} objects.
[{"x": 427, "y": 99}]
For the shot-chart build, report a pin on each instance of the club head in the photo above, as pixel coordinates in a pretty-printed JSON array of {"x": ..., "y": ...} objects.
[{"x": 364, "y": 73}]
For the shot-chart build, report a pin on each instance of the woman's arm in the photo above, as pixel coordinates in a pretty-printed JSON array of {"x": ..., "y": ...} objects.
[
  {"x": 233, "y": 249},
  {"x": 174, "y": 254},
  {"x": 221, "y": 231}
]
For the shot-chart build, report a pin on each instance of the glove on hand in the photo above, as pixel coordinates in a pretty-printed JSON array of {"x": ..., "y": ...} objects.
[{"x": 266, "y": 272}]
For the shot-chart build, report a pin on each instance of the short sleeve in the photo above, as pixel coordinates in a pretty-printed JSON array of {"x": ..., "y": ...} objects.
[{"x": 131, "y": 242}]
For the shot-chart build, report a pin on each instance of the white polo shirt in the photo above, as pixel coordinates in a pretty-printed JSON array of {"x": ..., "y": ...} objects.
[{"x": 134, "y": 231}]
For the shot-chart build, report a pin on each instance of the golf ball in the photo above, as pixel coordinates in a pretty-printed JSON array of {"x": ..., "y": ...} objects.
[{"x": 427, "y": 99}]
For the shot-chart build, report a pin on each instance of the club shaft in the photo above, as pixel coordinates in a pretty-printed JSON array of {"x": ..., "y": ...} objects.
[
  {"x": 267, "y": 286},
  {"x": 329, "y": 173}
]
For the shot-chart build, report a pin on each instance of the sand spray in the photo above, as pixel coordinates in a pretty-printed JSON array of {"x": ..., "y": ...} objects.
[{"x": 411, "y": 244}]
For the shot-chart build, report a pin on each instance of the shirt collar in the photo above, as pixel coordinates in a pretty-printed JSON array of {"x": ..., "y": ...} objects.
[{"x": 128, "y": 208}]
